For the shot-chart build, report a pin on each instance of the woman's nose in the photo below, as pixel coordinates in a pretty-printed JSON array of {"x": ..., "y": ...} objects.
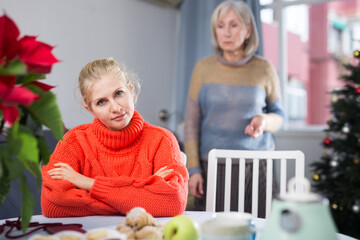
[
  {"x": 115, "y": 107},
  {"x": 228, "y": 31}
]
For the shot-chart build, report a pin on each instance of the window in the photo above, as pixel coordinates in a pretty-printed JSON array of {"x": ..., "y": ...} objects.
[{"x": 307, "y": 41}]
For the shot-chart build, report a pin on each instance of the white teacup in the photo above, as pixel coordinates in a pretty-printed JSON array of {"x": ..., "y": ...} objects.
[{"x": 228, "y": 226}]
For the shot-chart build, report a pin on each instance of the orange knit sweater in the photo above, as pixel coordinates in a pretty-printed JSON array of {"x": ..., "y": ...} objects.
[{"x": 122, "y": 164}]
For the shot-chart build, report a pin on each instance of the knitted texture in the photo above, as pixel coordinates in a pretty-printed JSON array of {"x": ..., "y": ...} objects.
[{"x": 123, "y": 164}]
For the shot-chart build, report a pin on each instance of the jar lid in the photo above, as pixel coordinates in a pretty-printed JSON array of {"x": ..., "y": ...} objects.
[
  {"x": 299, "y": 191},
  {"x": 227, "y": 224}
]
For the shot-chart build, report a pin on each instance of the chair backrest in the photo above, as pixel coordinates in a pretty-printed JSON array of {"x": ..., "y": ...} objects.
[
  {"x": 183, "y": 157},
  {"x": 256, "y": 156}
]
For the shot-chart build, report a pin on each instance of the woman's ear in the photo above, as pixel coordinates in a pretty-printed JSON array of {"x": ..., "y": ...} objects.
[
  {"x": 132, "y": 89},
  {"x": 88, "y": 109},
  {"x": 248, "y": 32}
]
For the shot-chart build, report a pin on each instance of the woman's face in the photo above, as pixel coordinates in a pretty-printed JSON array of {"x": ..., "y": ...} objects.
[
  {"x": 231, "y": 32},
  {"x": 111, "y": 101}
]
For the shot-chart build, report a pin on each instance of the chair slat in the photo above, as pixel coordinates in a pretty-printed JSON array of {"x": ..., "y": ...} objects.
[
  {"x": 227, "y": 185},
  {"x": 255, "y": 187},
  {"x": 282, "y": 176},
  {"x": 241, "y": 204},
  {"x": 269, "y": 186}
]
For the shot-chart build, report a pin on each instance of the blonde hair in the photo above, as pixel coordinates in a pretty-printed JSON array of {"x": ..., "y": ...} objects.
[
  {"x": 94, "y": 70},
  {"x": 245, "y": 14}
]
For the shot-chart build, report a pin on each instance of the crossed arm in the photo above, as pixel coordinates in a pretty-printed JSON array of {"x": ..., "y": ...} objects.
[{"x": 64, "y": 171}]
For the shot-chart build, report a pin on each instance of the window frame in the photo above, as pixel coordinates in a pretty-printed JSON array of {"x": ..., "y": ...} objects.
[{"x": 278, "y": 7}]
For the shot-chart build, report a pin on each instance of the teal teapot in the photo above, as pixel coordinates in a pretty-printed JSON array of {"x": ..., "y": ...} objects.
[{"x": 300, "y": 215}]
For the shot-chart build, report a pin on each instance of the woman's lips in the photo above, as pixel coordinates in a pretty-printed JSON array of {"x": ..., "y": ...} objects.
[{"x": 119, "y": 117}]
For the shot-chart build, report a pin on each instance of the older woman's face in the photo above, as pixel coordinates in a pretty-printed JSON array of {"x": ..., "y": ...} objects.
[{"x": 231, "y": 32}]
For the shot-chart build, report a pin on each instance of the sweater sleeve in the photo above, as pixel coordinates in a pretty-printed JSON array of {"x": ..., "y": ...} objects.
[
  {"x": 161, "y": 197},
  {"x": 61, "y": 198},
  {"x": 274, "y": 115},
  {"x": 192, "y": 122}
]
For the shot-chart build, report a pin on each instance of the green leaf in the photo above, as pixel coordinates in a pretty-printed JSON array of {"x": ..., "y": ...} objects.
[
  {"x": 15, "y": 67},
  {"x": 34, "y": 126},
  {"x": 29, "y": 151},
  {"x": 28, "y": 203},
  {"x": 4, "y": 189},
  {"x": 30, "y": 77},
  {"x": 44, "y": 149},
  {"x": 12, "y": 167},
  {"x": 46, "y": 111}
]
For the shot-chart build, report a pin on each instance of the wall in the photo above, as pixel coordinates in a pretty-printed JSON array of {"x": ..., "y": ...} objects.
[
  {"x": 137, "y": 33},
  {"x": 140, "y": 34}
]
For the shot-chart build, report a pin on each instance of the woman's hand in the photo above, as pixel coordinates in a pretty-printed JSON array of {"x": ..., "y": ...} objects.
[
  {"x": 196, "y": 185},
  {"x": 63, "y": 171},
  {"x": 256, "y": 127},
  {"x": 163, "y": 172}
]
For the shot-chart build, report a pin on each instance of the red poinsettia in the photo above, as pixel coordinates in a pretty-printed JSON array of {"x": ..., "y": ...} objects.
[
  {"x": 8, "y": 39},
  {"x": 37, "y": 58},
  {"x": 11, "y": 96},
  {"x": 36, "y": 55}
]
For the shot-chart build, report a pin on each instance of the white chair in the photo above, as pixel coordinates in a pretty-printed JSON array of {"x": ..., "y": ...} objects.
[
  {"x": 183, "y": 157},
  {"x": 240, "y": 156}
]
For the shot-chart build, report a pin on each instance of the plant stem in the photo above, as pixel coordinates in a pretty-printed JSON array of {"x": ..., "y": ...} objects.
[{"x": 2, "y": 126}]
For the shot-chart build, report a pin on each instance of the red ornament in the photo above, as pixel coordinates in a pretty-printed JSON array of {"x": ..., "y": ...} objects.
[
  {"x": 327, "y": 141},
  {"x": 358, "y": 90}
]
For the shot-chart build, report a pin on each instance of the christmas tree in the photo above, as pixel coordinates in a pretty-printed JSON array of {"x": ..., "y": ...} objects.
[{"x": 337, "y": 173}]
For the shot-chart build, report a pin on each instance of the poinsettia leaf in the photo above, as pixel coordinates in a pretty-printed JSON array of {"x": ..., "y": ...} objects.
[
  {"x": 28, "y": 204},
  {"x": 44, "y": 149},
  {"x": 12, "y": 167},
  {"x": 47, "y": 112},
  {"x": 15, "y": 67},
  {"x": 4, "y": 189},
  {"x": 29, "y": 151},
  {"x": 26, "y": 145},
  {"x": 2, "y": 161},
  {"x": 35, "y": 169},
  {"x": 28, "y": 78},
  {"x": 13, "y": 142},
  {"x": 34, "y": 126}
]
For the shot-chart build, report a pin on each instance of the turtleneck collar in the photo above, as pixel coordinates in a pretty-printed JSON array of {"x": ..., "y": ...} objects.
[
  {"x": 237, "y": 63},
  {"x": 118, "y": 139}
]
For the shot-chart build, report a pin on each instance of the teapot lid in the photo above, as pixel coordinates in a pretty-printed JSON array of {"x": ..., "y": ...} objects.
[{"x": 299, "y": 191}]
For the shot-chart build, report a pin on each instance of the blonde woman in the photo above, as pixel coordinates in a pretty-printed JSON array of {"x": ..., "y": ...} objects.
[
  {"x": 233, "y": 101},
  {"x": 118, "y": 161}
]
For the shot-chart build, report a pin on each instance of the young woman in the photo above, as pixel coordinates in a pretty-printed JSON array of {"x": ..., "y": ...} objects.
[
  {"x": 118, "y": 161},
  {"x": 234, "y": 99}
]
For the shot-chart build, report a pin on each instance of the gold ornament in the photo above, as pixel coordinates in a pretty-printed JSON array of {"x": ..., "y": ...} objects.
[
  {"x": 334, "y": 206},
  {"x": 357, "y": 54},
  {"x": 316, "y": 177},
  {"x": 356, "y": 160}
]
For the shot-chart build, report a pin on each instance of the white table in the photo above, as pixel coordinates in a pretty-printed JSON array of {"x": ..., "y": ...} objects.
[{"x": 92, "y": 222}]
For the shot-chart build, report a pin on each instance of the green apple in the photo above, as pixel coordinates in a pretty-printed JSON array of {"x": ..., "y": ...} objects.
[{"x": 181, "y": 228}]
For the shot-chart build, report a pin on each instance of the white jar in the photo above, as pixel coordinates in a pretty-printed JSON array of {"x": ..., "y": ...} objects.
[{"x": 228, "y": 226}]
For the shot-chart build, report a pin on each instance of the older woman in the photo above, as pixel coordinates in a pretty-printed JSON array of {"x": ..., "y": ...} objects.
[{"x": 233, "y": 100}]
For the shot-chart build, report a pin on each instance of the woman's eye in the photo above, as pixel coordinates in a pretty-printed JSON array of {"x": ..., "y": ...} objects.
[
  {"x": 118, "y": 93},
  {"x": 100, "y": 102},
  {"x": 234, "y": 25}
]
